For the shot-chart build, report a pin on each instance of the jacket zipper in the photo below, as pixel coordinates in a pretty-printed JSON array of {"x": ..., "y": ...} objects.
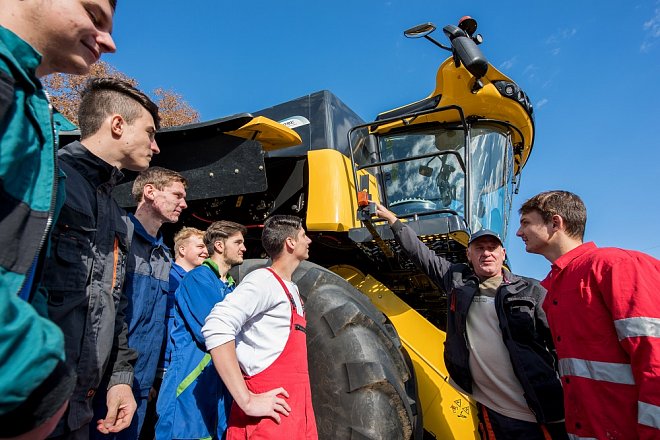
[{"x": 53, "y": 198}]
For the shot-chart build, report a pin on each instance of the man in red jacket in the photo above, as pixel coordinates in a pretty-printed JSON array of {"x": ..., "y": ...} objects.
[{"x": 603, "y": 310}]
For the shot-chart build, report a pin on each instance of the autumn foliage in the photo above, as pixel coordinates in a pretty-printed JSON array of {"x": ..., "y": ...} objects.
[{"x": 64, "y": 91}]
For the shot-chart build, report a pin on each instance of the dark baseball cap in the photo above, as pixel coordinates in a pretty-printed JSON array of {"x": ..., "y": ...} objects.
[{"x": 484, "y": 233}]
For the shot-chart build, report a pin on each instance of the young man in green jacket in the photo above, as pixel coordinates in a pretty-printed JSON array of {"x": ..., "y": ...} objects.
[{"x": 37, "y": 38}]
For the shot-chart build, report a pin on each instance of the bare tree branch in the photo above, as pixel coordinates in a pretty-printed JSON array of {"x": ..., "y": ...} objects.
[{"x": 64, "y": 91}]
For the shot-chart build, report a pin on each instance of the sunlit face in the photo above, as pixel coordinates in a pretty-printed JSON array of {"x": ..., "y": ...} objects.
[
  {"x": 169, "y": 202},
  {"x": 71, "y": 35},
  {"x": 193, "y": 251},
  {"x": 138, "y": 142},
  {"x": 534, "y": 232},
  {"x": 301, "y": 245},
  {"x": 233, "y": 249},
  {"x": 486, "y": 255}
]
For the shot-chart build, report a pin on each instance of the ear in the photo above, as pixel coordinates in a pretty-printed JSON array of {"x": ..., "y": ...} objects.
[
  {"x": 557, "y": 223},
  {"x": 289, "y": 244},
  {"x": 117, "y": 125},
  {"x": 219, "y": 246},
  {"x": 148, "y": 192}
]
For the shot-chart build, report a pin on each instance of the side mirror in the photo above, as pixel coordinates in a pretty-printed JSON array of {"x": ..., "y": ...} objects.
[
  {"x": 425, "y": 171},
  {"x": 419, "y": 31}
]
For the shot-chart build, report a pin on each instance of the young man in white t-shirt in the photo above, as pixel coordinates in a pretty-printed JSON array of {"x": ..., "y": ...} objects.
[{"x": 257, "y": 341}]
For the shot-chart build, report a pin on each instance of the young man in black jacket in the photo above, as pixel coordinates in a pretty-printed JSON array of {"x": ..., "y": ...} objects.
[
  {"x": 84, "y": 273},
  {"x": 498, "y": 347}
]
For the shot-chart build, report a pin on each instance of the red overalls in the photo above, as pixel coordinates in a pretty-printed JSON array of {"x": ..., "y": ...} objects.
[{"x": 290, "y": 372}]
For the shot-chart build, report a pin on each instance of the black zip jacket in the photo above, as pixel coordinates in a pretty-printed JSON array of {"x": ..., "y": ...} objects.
[
  {"x": 84, "y": 275},
  {"x": 522, "y": 320}
]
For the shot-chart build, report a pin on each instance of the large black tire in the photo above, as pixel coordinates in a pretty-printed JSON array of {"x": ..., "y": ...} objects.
[{"x": 362, "y": 387}]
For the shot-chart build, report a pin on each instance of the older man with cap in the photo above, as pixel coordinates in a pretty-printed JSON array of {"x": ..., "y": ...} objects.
[{"x": 498, "y": 348}]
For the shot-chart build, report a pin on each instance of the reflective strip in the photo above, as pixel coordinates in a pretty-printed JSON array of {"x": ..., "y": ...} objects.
[
  {"x": 577, "y": 437},
  {"x": 648, "y": 415},
  {"x": 633, "y": 327},
  {"x": 604, "y": 371},
  {"x": 194, "y": 374}
]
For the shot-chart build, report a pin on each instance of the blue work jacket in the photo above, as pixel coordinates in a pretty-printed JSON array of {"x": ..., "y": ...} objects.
[
  {"x": 193, "y": 402},
  {"x": 176, "y": 275},
  {"x": 147, "y": 285}
]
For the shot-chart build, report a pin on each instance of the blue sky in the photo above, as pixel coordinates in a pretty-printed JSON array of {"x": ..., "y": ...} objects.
[{"x": 590, "y": 67}]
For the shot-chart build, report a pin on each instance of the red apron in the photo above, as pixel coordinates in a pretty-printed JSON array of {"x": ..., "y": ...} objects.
[{"x": 290, "y": 372}]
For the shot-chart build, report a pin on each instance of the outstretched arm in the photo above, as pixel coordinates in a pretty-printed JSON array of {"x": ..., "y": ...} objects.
[
  {"x": 424, "y": 258},
  {"x": 385, "y": 213},
  {"x": 267, "y": 404}
]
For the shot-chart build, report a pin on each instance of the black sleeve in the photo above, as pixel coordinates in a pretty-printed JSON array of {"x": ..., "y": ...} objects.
[
  {"x": 122, "y": 357},
  {"x": 424, "y": 258},
  {"x": 6, "y": 93}
]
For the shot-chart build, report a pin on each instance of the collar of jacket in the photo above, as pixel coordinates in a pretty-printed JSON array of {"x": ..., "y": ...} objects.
[
  {"x": 507, "y": 277},
  {"x": 91, "y": 167},
  {"x": 563, "y": 261},
  {"x": 21, "y": 54},
  {"x": 155, "y": 242},
  {"x": 216, "y": 270},
  {"x": 513, "y": 283},
  {"x": 179, "y": 270}
]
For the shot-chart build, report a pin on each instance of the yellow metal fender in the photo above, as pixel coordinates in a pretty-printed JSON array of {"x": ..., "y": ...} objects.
[
  {"x": 271, "y": 134},
  {"x": 448, "y": 414}
]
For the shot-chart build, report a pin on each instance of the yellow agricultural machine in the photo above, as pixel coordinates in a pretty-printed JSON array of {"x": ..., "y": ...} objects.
[{"x": 447, "y": 164}]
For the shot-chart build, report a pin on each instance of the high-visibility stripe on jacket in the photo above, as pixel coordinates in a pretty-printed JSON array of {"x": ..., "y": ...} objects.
[
  {"x": 193, "y": 402},
  {"x": 604, "y": 314}
]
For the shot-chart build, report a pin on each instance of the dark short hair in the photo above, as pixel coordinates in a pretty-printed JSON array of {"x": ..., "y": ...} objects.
[
  {"x": 565, "y": 204},
  {"x": 103, "y": 97},
  {"x": 158, "y": 177},
  {"x": 276, "y": 230},
  {"x": 220, "y": 231},
  {"x": 113, "y": 4}
]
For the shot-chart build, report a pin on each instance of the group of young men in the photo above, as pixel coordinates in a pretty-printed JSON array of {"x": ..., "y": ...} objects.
[
  {"x": 236, "y": 364},
  {"x": 88, "y": 292},
  {"x": 84, "y": 286}
]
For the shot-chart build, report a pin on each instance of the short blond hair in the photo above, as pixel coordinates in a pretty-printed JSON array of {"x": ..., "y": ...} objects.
[{"x": 184, "y": 234}]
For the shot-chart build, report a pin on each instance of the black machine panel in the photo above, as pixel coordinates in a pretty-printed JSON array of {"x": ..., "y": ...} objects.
[{"x": 215, "y": 166}]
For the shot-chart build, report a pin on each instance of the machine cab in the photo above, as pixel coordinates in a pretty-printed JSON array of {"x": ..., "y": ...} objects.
[{"x": 437, "y": 170}]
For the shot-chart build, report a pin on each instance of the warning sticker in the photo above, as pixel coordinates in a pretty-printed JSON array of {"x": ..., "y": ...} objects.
[{"x": 460, "y": 408}]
